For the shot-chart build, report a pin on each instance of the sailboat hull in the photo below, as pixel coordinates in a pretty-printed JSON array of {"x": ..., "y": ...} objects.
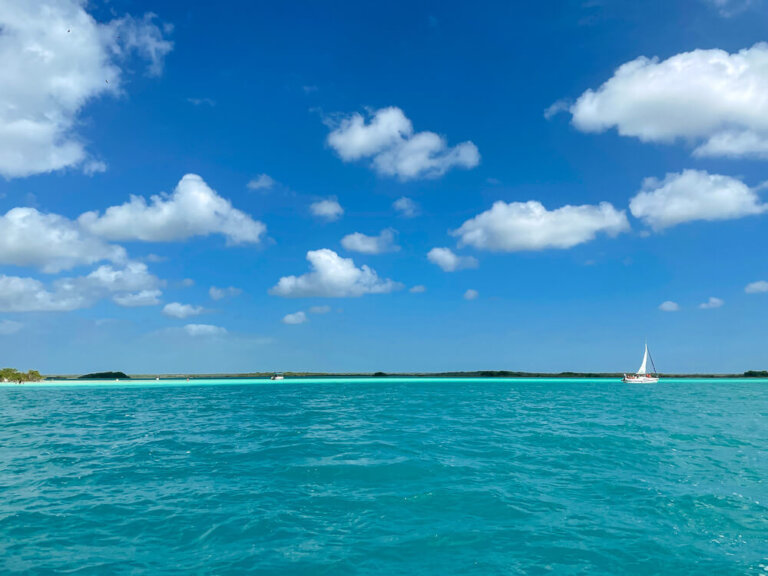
[{"x": 640, "y": 379}]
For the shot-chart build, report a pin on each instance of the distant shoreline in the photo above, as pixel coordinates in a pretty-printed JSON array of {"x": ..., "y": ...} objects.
[{"x": 485, "y": 374}]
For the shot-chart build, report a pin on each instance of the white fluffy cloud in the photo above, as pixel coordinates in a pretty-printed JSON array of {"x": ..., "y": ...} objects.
[
  {"x": 471, "y": 294},
  {"x": 388, "y": 138},
  {"x": 669, "y": 306},
  {"x": 711, "y": 303},
  {"x": 756, "y": 287},
  {"x": 693, "y": 195},
  {"x": 418, "y": 289},
  {"x": 30, "y": 295},
  {"x": 332, "y": 276},
  {"x": 384, "y": 242},
  {"x": 8, "y": 327},
  {"x": 140, "y": 298},
  {"x": 518, "y": 226},
  {"x": 328, "y": 209},
  {"x": 178, "y": 310},
  {"x": 295, "y": 318},
  {"x": 133, "y": 277},
  {"x": 450, "y": 262},
  {"x": 202, "y": 330},
  {"x": 709, "y": 97},
  {"x": 132, "y": 285},
  {"x": 221, "y": 293},
  {"x": 50, "y": 242},
  {"x": 406, "y": 207},
  {"x": 194, "y": 209},
  {"x": 55, "y": 59}
]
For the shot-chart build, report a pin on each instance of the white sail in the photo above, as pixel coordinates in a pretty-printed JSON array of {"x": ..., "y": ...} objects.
[{"x": 642, "y": 369}]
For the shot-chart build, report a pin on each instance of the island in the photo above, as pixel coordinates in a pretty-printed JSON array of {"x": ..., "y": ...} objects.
[{"x": 105, "y": 376}]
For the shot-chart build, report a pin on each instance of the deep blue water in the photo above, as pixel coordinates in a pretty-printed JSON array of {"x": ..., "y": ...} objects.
[{"x": 386, "y": 477}]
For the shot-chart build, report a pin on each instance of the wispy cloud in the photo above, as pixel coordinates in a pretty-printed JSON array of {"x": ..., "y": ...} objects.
[{"x": 202, "y": 102}]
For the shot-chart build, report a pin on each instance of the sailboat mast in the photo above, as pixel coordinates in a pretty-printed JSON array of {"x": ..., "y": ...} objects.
[{"x": 652, "y": 363}]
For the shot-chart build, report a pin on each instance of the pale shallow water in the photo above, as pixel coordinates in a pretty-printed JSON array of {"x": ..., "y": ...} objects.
[{"x": 385, "y": 477}]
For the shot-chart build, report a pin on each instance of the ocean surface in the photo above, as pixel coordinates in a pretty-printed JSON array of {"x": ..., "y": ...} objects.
[{"x": 385, "y": 477}]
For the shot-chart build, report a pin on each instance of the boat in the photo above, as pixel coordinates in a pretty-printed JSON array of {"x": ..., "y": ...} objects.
[
  {"x": 277, "y": 376},
  {"x": 642, "y": 376}
]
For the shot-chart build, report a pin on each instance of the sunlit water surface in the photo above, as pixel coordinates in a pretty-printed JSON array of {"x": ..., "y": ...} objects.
[{"x": 385, "y": 477}]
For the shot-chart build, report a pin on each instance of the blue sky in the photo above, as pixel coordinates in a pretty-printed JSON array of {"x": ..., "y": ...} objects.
[{"x": 578, "y": 176}]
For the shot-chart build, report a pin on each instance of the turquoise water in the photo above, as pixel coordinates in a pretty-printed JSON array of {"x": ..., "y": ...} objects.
[{"x": 385, "y": 477}]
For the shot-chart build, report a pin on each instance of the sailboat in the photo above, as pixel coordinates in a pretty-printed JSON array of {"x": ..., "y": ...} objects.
[{"x": 643, "y": 376}]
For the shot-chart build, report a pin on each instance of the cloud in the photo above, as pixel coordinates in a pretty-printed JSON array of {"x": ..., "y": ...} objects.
[
  {"x": 94, "y": 167},
  {"x": 202, "y": 102},
  {"x": 320, "y": 309},
  {"x": 133, "y": 277},
  {"x": 693, "y": 195},
  {"x": 728, "y": 8},
  {"x": 471, "y": 294},
  {"x": 221, "y": 293},
  {"x": 669, "y": 306},
  {"x": 332, "y": 276},
  {"x": 708, "y": 97},
  {"x": 387, "y": 137},
  {"x": 384, "y": 242},
  {"x": 418, "y": 289},
  {"x": 8, "y": 327},
  {"x": 125, "y": 285},
  {"x": 178, "y": 310},
  {"x": 328, "y": 209},
  {"x": 142, "y": 36},
  {"x": 203, "y": 330},
  {"x": 519, "y": 226},
  {"x": 56, "y": 59},
  {"x": 295, "y": 318},
  {"x": 556, "y": 108},
  {"x": 756, "y": 287},
  {"x": 50, "y": 242},
  {"x": 261, "y": 182},
  {"x": 141, "y": 298},
  {"x": 194, "y": 209},
  {"x": 711, "y": 303},
  {"x": 30, "y": 295},
  {"x": 407, "y": 207},
  {"x": 450, "y": 262}
]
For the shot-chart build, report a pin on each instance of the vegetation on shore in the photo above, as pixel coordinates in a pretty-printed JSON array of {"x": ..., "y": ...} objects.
[{"x": 13, "y": 375}]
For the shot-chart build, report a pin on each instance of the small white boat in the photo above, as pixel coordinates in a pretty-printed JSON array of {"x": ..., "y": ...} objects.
[
  {"x": 643, "y": 376},
  {"x": 277, "y": 376}
]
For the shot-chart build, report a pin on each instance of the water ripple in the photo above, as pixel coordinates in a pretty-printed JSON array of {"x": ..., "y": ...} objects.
[{"x": 454, "y": 477}]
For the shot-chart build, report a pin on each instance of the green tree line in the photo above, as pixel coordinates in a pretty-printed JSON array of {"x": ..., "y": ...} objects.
[{"x": 13, "y": 375}]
